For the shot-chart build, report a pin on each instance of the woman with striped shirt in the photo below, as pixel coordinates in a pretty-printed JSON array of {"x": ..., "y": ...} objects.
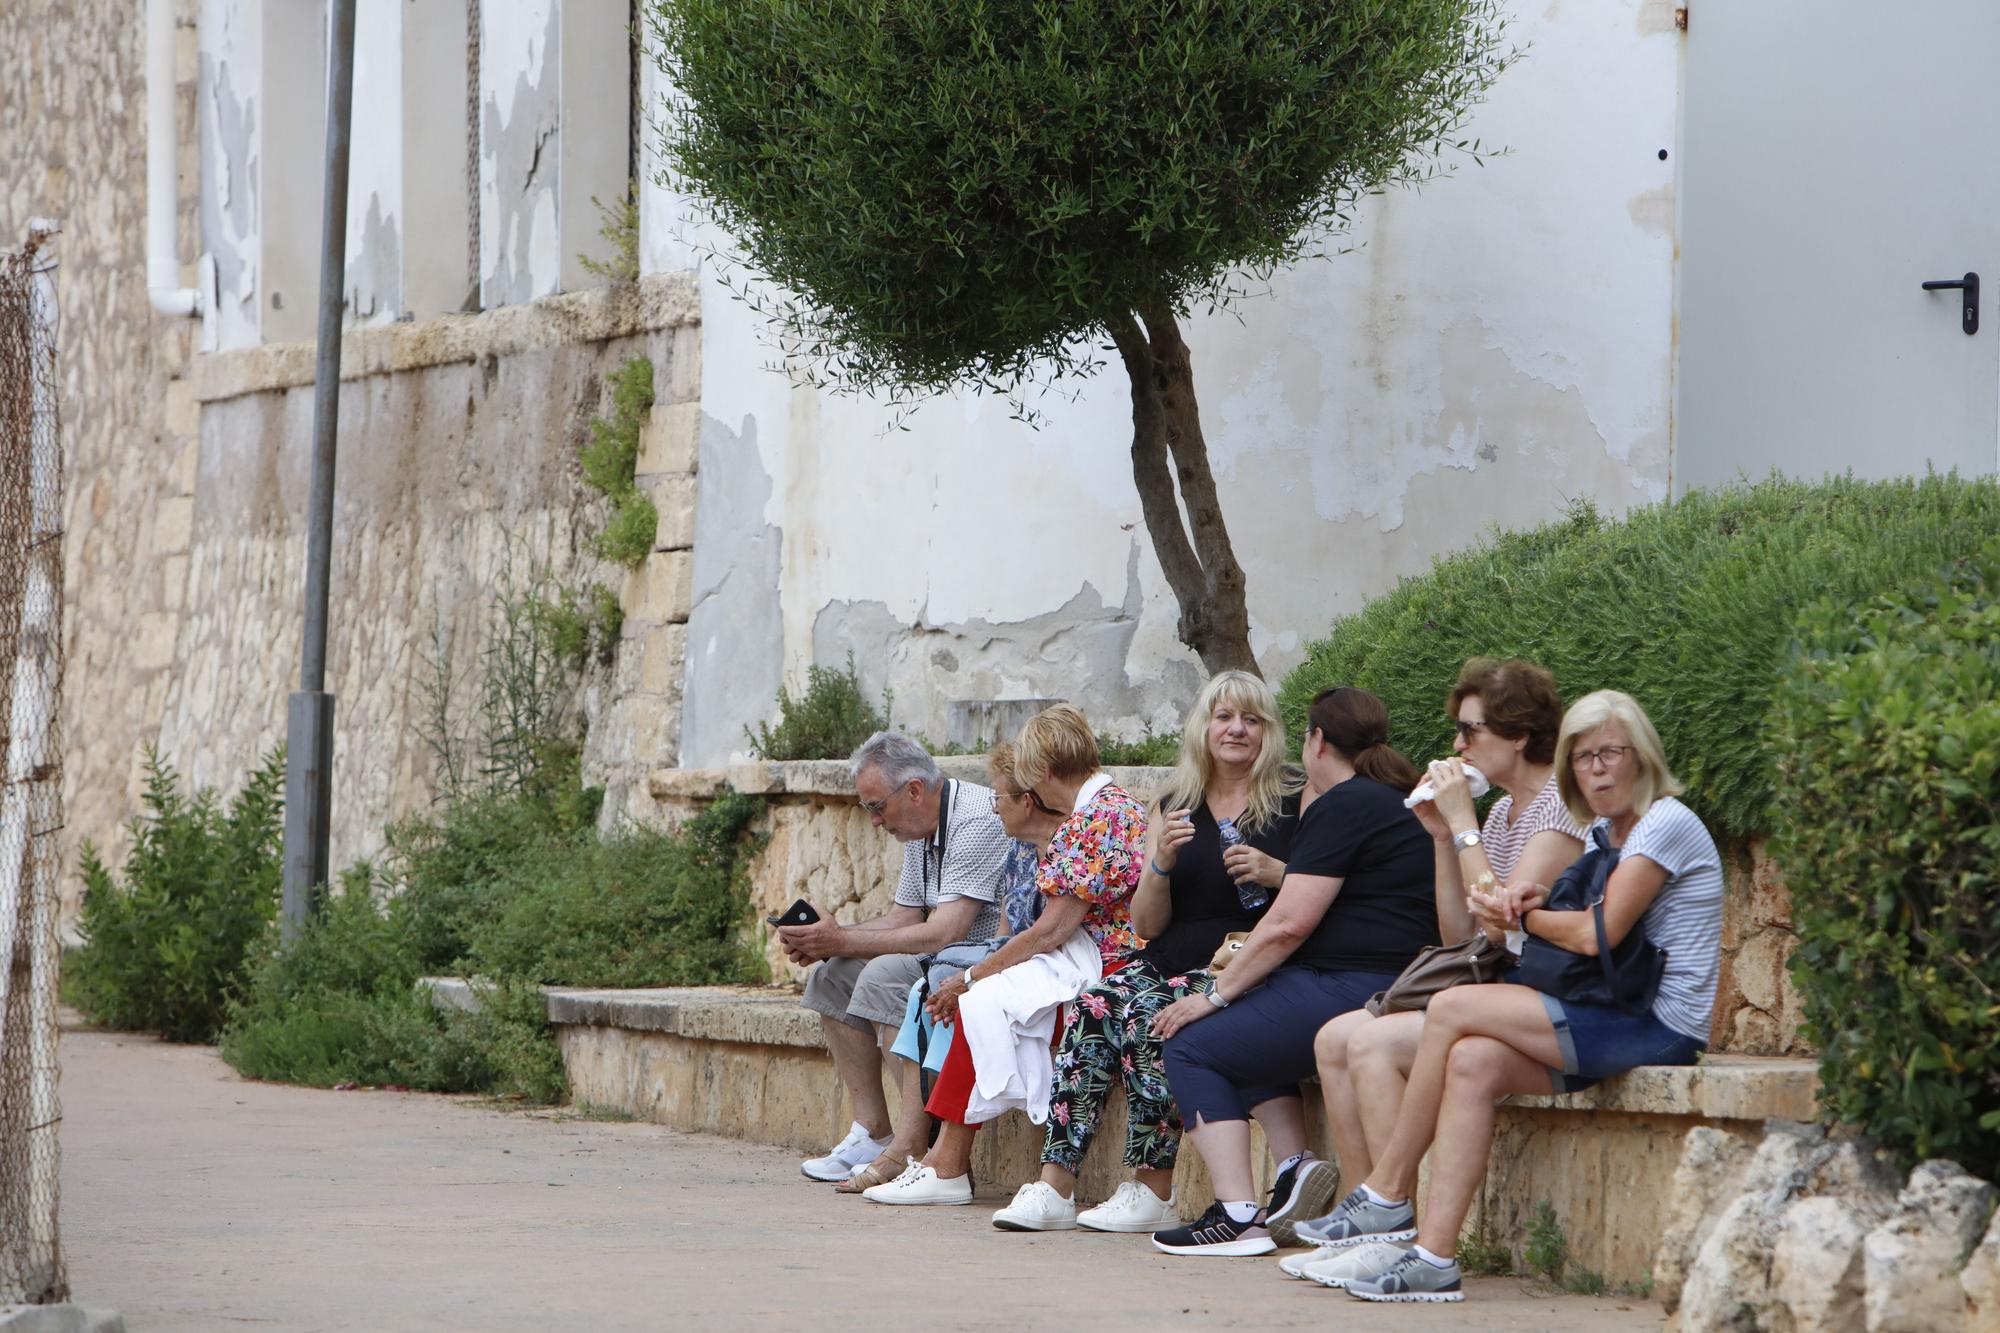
[
  {"x": 1481, "y": 1043},
  {"x": 1507, "y": 715}
]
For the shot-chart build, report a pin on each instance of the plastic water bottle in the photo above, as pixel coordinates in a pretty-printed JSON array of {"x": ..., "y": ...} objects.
[{"x": 1248, "y": 891}]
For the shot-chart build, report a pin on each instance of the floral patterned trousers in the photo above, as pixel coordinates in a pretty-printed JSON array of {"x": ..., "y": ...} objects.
[{"x": 1110, "y": 1036}]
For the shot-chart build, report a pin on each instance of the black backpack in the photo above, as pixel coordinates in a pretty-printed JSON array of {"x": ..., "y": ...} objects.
[{"x": 1626, "y": 977}]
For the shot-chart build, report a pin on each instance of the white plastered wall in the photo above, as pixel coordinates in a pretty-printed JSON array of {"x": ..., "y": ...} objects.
[{"x": 1499, "y": 346}]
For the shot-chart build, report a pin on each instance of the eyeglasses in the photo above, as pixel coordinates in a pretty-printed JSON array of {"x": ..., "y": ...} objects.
[
  {"x": 875, "y": 808},
  {"x": 1609, "y": 754},
  {"x": 1465, "y": 729}
]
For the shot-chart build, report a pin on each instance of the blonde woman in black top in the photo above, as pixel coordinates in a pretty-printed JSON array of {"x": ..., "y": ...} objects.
[{"x": 1192, "y": 893}]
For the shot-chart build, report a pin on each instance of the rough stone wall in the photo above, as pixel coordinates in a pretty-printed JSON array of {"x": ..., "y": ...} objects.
[
  {"x": 457, "y": 482},
  {"x": 1757, "y": 1007},
  {"x": 72, "y": 147}
]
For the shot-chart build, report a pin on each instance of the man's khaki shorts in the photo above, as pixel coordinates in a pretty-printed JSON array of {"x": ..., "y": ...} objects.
[{"x": 859, "y": 992}]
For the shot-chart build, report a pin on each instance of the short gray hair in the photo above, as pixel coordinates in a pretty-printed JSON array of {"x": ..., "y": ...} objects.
[{"x": 898, "y": 758}]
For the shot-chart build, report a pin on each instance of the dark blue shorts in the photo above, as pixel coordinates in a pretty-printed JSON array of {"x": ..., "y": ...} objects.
[
  {"x": 1262, "y": 1045},
  {"x": 1598, "y": 1041}
]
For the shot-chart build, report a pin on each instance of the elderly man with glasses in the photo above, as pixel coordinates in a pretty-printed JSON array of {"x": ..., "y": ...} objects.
[{"x": 954, "y": 848}]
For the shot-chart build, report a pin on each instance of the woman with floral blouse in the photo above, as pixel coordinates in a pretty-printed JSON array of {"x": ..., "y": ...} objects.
[{"x": 1006, "y": 1006}]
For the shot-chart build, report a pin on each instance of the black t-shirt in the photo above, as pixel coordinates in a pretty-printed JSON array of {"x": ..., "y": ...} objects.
[
  {"x": 1386, "y": 909},
  {"x": 1205, "y": 904}
]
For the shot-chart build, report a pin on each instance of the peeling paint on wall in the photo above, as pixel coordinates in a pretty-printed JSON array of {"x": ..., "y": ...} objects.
[
  {"x": 520, "y": 251},
  {"x": 735, "y": 634},
  {"x": 1085, "y": 644},
  {"x": 229, "y": 34}
]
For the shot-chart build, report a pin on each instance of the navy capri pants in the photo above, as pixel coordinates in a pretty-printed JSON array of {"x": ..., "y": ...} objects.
[{"x": 1262, "y": 1044}]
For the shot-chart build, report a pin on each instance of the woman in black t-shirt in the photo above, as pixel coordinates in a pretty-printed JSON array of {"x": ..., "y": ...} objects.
[
  {"x": 1231, "y": 767},
  {"x": 1355, "y": 908}
]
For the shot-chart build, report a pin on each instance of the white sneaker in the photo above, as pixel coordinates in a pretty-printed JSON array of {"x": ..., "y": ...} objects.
[
  {"x": 1037, "y": 1206},
  {"x": 1132, "y": 1207},
  {"x": 920, "y": 1184},
  {"x": 1336, "y": 1268},
  {"x": 849, "y": 1155}
]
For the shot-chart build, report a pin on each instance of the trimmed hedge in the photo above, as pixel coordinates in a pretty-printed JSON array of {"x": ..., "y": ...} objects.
[
  {"x": 1686, "y": 606},
  {"x": 1887, "y": 739}
]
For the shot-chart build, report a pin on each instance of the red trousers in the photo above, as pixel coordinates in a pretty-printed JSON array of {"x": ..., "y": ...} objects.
[{"x": 953, "y": 1088}]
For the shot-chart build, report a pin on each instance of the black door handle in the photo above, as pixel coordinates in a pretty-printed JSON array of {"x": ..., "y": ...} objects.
[{"x": 1969, "y": 284}]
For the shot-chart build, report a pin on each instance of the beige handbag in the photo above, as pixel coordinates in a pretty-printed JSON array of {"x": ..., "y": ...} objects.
[
  {"x": 1440, "y": 967},
  {"x": 1232, "y": 944}
]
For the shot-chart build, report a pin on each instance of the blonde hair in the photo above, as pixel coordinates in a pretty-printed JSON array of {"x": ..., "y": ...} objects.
[
  {"x": 1000, "y": 764},
  {"x": 1271, "y": 780},
  {"x": 1054, "y": 743},
  {"x": 1586, "y": 715}
]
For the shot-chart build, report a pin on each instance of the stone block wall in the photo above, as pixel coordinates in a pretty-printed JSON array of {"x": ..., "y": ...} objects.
[
  {"x": 1757, "y": 1007},
  {"x": 457, "y": 479},
  {"x": 73, "y": 148}
]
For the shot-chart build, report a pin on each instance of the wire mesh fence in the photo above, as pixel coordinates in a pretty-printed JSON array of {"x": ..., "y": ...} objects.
[{"x": 31, "y": 665}]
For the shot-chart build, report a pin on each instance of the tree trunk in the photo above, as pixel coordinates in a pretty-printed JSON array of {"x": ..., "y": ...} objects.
[{"x": 1170, "y": 468}]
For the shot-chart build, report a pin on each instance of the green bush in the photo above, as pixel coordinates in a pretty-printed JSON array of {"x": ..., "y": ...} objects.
[
  {"x": 1686, "y": 606},
  {"x": 639, "y": 908},
  {"x": 484, "y": 888},
  {"x": 340, "y": 1004},
  {"x": 610, "y": 457},
  {"x": 165, "y": 949},
  {"x": 1155, "y": 749},
  {"x": 1887, "y": 737},
  {"x": 828, "y": 721}
]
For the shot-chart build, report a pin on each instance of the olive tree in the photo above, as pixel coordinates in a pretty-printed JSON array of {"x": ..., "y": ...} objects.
[{"x": 938, "y": 194}]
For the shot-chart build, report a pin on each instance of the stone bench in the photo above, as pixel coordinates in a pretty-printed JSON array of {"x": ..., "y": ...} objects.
[{"x": 748, "y": 1062}]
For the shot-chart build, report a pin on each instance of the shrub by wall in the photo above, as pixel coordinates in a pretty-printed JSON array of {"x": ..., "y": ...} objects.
[
  {"x": 1887, "y": 821},
  {"x": 164, "y": 947},
  {"x": 1686, "y": 606}
]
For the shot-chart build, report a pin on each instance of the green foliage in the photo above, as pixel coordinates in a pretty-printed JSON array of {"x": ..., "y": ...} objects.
[
  {"x": 164, "y": 949},
  {"x": 481, "y": 888},
  {"x": 583, "y": 626},
  {"x": 828, "y": 721},
  {"x": 1547, "y": 1252},
  {"x": 341, "y": 1005},
  {"x": 610, "y": 457},
  {"x": 532, "y": 733},
  {"x": 1887, "y": 736},
  {"x": 618, "y": 226},
  {"x": 1685, "y": 606},
  {"x": 948, "y": 192},
  {"x": 1479, "y": 1255},
  {"x": 1155, "y": 749},
  {"x": 639, "y": 908}
]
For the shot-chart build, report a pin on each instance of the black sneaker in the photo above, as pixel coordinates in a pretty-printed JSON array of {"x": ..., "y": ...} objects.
[
  {"x": 1302, "y": 1191},
  {"x": 1215, "y": 1232}
]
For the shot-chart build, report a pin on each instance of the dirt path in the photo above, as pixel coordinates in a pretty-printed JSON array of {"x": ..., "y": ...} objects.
[{"x": 194, "y": 1200}]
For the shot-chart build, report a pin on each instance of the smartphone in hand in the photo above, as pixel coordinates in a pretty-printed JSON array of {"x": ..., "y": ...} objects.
[{"x": 800, "y": 913}]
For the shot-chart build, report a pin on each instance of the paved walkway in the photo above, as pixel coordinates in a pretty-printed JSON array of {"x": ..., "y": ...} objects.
[{"x": 194, "y": 1200}]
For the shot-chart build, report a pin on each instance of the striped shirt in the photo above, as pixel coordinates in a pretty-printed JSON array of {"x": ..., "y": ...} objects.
[
  {"x": 967, "y": 865},
  {"x": 1504, "y": 841},
  {"x": 1685, "y": 919}
]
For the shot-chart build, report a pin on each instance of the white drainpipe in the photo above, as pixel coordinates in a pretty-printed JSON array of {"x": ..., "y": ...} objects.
[{"x": 163, "y": 265}]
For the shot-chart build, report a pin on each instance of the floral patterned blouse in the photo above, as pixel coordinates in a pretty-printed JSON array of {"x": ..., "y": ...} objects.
[{"x": 1097, "y": 855}]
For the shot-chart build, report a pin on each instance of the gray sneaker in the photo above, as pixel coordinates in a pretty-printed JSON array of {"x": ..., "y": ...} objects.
[
  {"x": 1411, "y": 1278},
  {"x": 1360, "y": 1219}
]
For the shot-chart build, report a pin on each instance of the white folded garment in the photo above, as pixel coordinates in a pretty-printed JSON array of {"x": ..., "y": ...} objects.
[
  {"x": 1475, "y": 781},
  {"x": 1008, "y": 1019}
]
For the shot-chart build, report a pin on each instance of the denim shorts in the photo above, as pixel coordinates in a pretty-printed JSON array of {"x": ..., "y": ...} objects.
[{"x": 1598, "y": 1041}]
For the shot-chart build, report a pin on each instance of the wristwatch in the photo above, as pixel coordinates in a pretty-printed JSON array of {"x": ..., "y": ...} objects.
[
  {"x": 1469, "y": 838},
  {"x": 1215, "y": 997}
]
